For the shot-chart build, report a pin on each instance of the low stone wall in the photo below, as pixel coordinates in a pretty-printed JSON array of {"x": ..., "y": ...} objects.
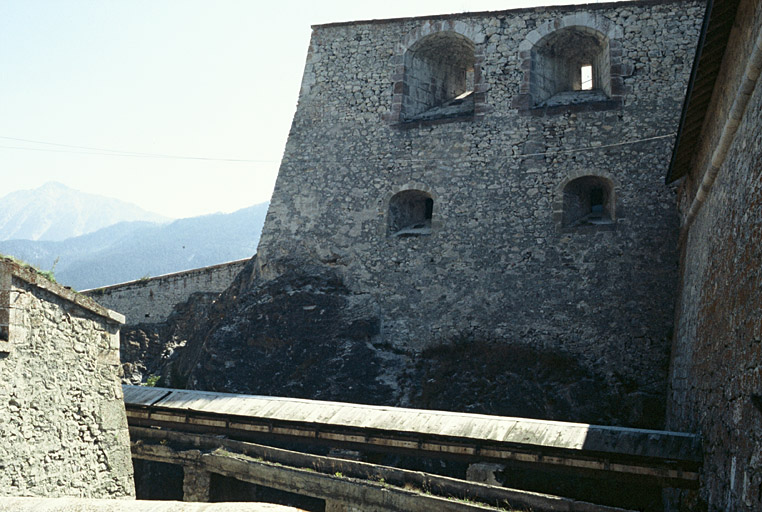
[
  {"x": 63, "y": 428},
  {"x": 83, "y": 505},
  {"x": 152, "y": 300}
]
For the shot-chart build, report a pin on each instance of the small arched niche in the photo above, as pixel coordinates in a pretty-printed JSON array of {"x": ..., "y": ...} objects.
[
  {"x": 410, "y": 213},
  {"x": 588, "y": 200},
  {"x": 570, "y": 65},
  {"x": 439, "y": 78}
]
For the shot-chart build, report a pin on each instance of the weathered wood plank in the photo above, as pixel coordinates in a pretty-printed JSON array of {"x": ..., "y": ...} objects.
[
  {"x": 545, "y": 434},
  {"x": 377, "y": 476}
]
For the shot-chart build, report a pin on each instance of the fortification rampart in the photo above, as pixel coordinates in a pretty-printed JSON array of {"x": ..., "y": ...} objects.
[
  {"x": 151, "y": 300},
  {"x": 716, "y": 385},
  {"x": 63, "y": 427},
  {"x": 462, "y": 171}
]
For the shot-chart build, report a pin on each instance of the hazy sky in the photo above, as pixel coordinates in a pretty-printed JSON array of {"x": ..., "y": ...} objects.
[{"x": 179, "y": 106}]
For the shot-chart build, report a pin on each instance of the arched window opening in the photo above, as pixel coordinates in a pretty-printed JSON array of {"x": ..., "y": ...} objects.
[
  {"x": 439, "y": 78},
  {"x": 570, "y": 65},
  {"x": 410, "y": 213},
  {"x": 588, "y": 200}
]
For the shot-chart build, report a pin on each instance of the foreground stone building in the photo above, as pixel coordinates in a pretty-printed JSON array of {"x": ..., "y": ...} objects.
[
  {"x": 716, "y": 376},
  {"x": 496, "y": 179},
  {"x": 62, "y": 420}
]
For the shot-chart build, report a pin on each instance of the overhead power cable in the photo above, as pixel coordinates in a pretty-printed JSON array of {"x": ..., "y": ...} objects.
[
  {"x": 602, "y": 146},
  {"x": 88, "y": 150},
  {"x": 113, "y": 152}
]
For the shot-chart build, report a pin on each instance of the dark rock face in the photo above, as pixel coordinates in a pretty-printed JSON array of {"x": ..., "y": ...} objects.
[
  {"x": 151, "y": 350},
  {"x": 517, "y": 380},
  {"x": 304, "y": 334}
]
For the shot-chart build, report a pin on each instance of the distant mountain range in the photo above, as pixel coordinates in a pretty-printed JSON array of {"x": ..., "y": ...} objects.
[
  {"x": 131, "y": 250},
  {"x": 57, "y": 212}
]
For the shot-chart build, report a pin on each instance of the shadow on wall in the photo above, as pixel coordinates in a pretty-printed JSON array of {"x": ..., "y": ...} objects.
[{"x": 493, "y": 377}]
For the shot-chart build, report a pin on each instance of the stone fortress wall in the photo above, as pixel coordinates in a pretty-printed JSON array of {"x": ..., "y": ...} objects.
[
  {"x": 62, "y": 420},
  {"x": 716, "y": 374},
  {"x": 521, "y": 210},
  {"x": 151, "y": 300}
]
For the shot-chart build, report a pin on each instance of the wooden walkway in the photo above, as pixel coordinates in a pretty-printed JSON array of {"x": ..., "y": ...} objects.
[
  {"x": 344, "y": 485},
  {"x": 670, "y": 459}
]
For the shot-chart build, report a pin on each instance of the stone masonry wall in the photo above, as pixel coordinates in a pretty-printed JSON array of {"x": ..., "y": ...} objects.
[
  {"x": 716, "y": 373},
  {"x": 152, "y": 300},
  {"x": 497, "y": 265},
  {"x": 63, "y": 428}
]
